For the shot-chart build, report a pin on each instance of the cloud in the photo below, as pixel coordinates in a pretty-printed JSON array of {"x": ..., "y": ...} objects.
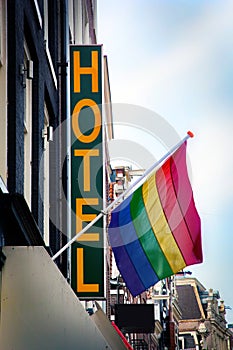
[
  {"x": 149, "y": 76},
  {"x": 212, "y": 164},
  {"x": 184, "y": 73}
]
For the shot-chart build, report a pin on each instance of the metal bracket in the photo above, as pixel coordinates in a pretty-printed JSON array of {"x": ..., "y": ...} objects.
[
  {"x": 27, "y": 73},
  {"x": 48, "y": 132}
]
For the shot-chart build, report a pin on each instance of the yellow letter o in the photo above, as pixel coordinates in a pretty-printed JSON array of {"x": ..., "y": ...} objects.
[{"x": 75, "y": 125}]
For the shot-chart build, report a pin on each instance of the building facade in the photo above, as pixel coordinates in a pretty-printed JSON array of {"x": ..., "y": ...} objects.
[
  {"x": 202, "y": 324},
  {"x": 31, "y": 162},
  {"x": 38, "y": 308},
  {"x": 34, "y": 53}
]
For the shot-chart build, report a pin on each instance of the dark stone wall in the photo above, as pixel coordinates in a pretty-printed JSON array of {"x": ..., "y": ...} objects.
[
  {"x": 15, "y": 98},
  {"x": 23, "y": 24}
]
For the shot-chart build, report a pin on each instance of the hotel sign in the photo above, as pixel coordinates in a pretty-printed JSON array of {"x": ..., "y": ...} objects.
[{"x": 87, "y": 254}]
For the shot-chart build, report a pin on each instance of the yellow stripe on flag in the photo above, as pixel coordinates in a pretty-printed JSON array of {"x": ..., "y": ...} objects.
[{"x": 160, "y": 225}]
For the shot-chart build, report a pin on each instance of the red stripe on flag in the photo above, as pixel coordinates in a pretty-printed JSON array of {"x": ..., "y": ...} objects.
[
  {"x": 171, "y": 192},
  {"x": 184, "y": 194}
]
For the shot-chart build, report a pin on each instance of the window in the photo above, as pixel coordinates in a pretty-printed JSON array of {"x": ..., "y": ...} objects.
[
  {"x": 85, "y": 25},
  {"x": 3, "y": 93},
  {"x": 71, "y": 19},
  {"x": 27, "y": 132},
  {"x": 75, "y": 21},
  {"x": 46, "y": 178},
  {"x": 38, "y": 12},
  {"x": 49, "y": 36}
]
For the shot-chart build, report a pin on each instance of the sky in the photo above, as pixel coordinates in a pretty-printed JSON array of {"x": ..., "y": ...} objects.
[{"x": 171, "y": 61}]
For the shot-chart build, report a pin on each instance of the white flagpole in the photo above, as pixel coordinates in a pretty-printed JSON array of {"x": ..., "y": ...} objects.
[{"x": 129, "y": 189}]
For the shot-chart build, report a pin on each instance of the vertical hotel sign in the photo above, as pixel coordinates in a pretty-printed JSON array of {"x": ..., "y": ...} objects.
[{"x": 87, "y": 254}]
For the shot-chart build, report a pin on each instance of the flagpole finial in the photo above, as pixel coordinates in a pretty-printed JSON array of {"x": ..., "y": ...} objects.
[{"x": 190, "y": 133}]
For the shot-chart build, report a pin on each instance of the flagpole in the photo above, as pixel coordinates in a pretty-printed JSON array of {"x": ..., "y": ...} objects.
[
  {"x": 129, "y": 189},
  {"x": 148, "y": 171}
]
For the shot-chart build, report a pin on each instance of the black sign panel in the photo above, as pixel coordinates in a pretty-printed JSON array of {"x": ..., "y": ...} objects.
[{"x": 135, "y": 318}]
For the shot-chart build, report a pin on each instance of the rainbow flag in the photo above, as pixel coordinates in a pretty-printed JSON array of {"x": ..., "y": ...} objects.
[{"x": 156, "y": 231}]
